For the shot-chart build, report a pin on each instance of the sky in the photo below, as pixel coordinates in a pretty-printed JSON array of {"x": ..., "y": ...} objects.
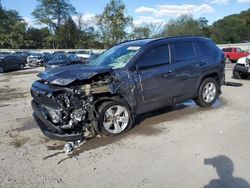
[{"x": 144, "y": 11}]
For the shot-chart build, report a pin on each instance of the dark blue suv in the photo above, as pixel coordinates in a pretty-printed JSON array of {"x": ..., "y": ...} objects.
[{"x": 134, "y": 77}]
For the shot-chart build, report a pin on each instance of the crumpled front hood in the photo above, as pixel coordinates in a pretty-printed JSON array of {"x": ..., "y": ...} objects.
[{"x": 65, "y": 75}]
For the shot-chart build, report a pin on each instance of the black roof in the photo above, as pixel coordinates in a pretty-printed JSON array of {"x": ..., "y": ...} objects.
[{"x": 143, "y": 42}]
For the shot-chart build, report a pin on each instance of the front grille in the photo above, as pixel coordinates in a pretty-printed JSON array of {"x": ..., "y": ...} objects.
[{"x": 44, "y": 100}]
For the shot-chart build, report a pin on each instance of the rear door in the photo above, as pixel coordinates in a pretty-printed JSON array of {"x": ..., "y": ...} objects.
[{"x": 187, "y": 66}]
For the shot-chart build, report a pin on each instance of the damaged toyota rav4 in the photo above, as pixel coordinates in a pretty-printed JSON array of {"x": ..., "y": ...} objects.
[{"x": 104, "y": 97}]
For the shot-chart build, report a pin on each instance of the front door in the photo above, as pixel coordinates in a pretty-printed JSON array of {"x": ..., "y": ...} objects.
[{"x": 156, "y": 78}]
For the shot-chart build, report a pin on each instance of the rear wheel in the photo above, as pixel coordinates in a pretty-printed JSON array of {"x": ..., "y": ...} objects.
[
  {"x": 239, "y": 75},
  {"x": 208, "y": 92},
  {"x": 1, "y": 69},
  {"x": 115, "y": 118}
]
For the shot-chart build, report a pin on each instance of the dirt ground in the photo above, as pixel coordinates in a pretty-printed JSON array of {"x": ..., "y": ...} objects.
[{"x": 184, "y": 146}]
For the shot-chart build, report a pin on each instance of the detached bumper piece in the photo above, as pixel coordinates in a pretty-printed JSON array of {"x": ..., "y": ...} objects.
[{"x": 49, "y": 129}]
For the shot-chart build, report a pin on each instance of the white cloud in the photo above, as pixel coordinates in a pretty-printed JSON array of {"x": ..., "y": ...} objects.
[
  {"x": 148, "y": 20},
  {"x": 29, "y": 21},
  {"x": 175, "y": 10},
  {"x": 243, "y": 1},
  {"x": 86, "y": 18},
  {"x": 221, "y": 2},
  {"x": 32, "y": 23}
]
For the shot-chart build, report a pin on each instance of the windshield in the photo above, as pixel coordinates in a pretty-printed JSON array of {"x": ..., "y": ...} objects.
[{"x": 116, "y": 57}]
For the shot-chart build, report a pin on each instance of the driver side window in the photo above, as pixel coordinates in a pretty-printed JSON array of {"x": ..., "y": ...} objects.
[{"x": 154, "y": 57}]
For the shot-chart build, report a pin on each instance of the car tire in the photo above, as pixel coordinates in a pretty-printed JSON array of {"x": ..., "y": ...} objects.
[
  {"x": 208, "y": 92},
  {"x": 239, "y": 75},
  {"x": 111, "y": 122},
  {"x": 1, "y": 69}
]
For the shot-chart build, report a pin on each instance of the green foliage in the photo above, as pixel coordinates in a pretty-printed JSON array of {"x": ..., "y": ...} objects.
[
  {"x": 53, "y": 13},
  {"x": 113, "y": 23},
  {"x": 12, "y": 29},
  {"x": 67, "y": 35},
  {"x": 186, "y": 25},
  {"x": 36, "y": 38},
  {"x": 140, "y": 32},
  {"x": 232, "y": 29}
]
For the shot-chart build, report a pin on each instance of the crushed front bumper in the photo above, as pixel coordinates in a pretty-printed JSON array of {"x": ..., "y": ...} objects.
[{"x": 49, "y": 129}]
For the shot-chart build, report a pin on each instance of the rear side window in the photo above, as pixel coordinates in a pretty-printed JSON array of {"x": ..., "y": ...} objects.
[
  {"x": 239, "y": 50},
  {"x": 204, "y": 47},
  {"x": 184, "y": 51},
  {"x": 154, "y": 57}
]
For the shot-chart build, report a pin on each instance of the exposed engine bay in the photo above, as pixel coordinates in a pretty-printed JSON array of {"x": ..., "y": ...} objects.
[{"x": 71, "y": 109}]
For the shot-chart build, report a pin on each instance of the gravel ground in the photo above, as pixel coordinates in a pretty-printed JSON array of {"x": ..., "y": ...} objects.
[{"x": 185, "y": 146}]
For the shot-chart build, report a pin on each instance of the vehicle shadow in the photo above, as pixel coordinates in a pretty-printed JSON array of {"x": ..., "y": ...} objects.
[{"x": 225, "y": 168}]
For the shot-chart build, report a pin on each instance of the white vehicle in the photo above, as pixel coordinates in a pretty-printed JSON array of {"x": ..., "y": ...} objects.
[
  {"x": 34, "y": 60},
  {"x": 85, "y": 55},
  {"x": 242, "y": 68}
]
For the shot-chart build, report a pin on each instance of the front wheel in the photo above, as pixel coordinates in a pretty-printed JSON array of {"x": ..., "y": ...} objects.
[
  {"x": 208, "y": 92},
  {"x": 114, "y": 118}
]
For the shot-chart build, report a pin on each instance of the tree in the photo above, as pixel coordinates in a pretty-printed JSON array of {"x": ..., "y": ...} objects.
[
  {"x": 12, "y": 28},
  {"x": 36, "y": 38},
  {"x": 232, "y": 29},
  {"x": 67, "y": 35},
  {"x": 140, "y": 32},
  {"x": 53, "y": 13},
  {"x": 113, "y": 23},
  {"x": 186, "y": 25}
]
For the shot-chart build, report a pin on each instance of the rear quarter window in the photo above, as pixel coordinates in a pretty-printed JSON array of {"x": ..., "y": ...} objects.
[
  {"x": 208, "y": 47},
  {"x": 184, "y": 51}
]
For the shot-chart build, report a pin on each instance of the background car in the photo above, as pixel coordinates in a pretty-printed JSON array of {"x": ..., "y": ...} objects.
[
  {"x": 85, "y": 55},
  {"x": 242, "y": 68},
  {"x": 233, "y": 54},
  {"x": 35, "y": 60},
  {"x": 23, "y": 55},
  {"x": 62, "y": 60},
  {"x": 10, "y": 62}
]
